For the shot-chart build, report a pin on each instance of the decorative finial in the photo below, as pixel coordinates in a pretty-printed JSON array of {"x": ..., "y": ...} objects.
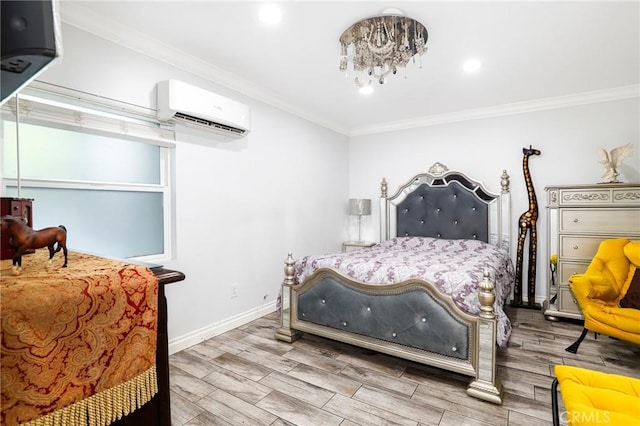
[
  {"x": 383, "y": 188},
  {"x": 438, "y": 169},
  {"x": 487, "y": 296},
  {"x": 289, "y": 270},
  {"x": 504, "y": 181}
]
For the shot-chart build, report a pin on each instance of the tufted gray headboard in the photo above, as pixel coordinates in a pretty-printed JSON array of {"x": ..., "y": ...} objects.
[{"x": 446, "y": 204}]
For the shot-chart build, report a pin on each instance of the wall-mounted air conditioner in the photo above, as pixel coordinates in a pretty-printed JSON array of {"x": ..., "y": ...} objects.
[{"x": 182, "y": 103}]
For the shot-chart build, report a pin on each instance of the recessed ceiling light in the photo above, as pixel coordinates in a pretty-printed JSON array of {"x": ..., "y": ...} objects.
[
  {"x": 471, "y": 66},
  {"x": 366, "y": 90},
  {"x": 270, "y": 14}
]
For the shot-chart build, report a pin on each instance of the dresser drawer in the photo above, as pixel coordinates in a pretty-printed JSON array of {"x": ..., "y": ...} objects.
[
  {"x": 566, "y": 269},
  {"x": 623, "y": 222},
  {"x": 592, "y": 197},
  {"x": 567, "y": 302},
  {"x": 601, "y": 196},
  {"x": 575, "y": 247},
  {"x": 626, "y": 196}
]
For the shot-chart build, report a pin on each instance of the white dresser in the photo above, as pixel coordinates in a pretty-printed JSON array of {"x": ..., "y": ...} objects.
[{"x": 578, "y": 218}]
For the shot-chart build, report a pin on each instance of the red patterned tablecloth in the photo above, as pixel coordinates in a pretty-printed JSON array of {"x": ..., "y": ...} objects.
[{"x": 78, "y": 343}]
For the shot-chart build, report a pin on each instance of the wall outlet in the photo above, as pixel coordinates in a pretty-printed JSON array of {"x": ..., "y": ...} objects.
[{"x": 234, "y": 290}]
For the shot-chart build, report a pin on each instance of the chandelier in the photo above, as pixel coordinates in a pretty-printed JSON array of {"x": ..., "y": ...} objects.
[{"x": 381, "y": 44}]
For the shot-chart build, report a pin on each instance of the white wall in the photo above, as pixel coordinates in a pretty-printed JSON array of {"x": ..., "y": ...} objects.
[
  {"x": 240, "y": 206},
  {"x": 568, "y": 139}
]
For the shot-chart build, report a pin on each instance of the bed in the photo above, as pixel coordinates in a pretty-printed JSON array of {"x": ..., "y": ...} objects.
[{"x": 433, "y": 289}]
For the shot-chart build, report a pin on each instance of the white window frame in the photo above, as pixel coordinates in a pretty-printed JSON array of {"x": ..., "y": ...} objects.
[{"x": 68, "y": 109}]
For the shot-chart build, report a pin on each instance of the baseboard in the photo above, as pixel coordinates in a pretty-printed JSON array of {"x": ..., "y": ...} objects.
[
  {"x": 538, "y": 299},
  {"x": 183, "y": 342}
]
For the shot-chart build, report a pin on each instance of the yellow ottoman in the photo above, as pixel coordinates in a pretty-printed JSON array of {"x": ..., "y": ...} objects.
[{"x": 595, "y": 398}]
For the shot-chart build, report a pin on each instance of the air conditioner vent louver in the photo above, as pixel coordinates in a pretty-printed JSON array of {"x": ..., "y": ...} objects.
[
  {"x": 209, "y": 123},
  {"x": 188, "y": 105}
]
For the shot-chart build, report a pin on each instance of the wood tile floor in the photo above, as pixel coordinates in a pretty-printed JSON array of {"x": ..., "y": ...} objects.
[{"x": 246, "y": 377}]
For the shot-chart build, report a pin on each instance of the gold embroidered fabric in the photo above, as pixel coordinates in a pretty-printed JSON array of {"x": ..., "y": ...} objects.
[
  {"x": 107, "y": 406},
  {"x": 78, "y": 343}
]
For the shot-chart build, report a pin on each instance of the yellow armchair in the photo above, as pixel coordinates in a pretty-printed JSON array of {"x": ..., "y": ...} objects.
[
  {"x": 601, "y": 288},
  {"x": 595, "y": 398}
]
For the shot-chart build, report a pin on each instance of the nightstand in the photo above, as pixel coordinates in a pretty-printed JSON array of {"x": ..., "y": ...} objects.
[{"x": 356, "y": 245}]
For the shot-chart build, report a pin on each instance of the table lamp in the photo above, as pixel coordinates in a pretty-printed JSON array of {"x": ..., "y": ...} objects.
[{"x": 359, "y": 207}]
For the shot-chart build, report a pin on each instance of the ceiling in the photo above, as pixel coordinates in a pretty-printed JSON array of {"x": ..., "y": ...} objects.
[{"x": 534, "y": 55}]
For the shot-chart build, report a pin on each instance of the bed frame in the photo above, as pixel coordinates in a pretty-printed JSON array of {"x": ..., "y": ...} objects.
[{"x": 441, "y": 204}]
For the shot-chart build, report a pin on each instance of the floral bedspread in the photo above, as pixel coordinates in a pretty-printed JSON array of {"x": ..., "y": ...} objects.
[{"x": 456, "y": 267}]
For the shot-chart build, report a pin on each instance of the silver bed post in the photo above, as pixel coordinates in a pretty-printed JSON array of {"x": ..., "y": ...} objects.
[
  {"x": 285, "y": 332},
  {"x": 486, "y": 385},
  {"x": 384, "y": 212},
  {"x": 505, "y": 212}
]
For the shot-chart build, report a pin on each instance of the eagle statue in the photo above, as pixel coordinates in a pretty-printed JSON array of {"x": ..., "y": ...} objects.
[{"x": 613, "y": 160}]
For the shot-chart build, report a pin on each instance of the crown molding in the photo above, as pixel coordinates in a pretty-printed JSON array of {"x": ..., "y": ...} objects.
[
  {"x": 93, "y": 23},
  {"x": 584, "y": 98}
]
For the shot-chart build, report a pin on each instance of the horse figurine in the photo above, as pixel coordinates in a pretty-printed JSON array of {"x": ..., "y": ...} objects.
[{"x": 22, "y": 238}]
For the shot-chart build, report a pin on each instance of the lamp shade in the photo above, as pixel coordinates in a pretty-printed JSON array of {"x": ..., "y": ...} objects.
[{"x": 359, "y": 206}]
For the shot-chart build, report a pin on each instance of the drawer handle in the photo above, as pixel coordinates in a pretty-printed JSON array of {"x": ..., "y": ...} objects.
[
  {"x": 575, "y": 220},
  {"x": 575, "y": 247}
]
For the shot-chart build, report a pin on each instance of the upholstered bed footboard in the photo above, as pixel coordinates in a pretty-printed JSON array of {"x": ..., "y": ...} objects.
[
  {"x": 410, "y": 320},
  {"x": 409, "y": 315}
]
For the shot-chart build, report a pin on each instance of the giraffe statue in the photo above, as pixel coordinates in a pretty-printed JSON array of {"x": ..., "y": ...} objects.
[{"x": 527, "y": 225}]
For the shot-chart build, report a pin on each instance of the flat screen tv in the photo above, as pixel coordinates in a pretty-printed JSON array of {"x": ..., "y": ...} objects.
[{"x": 29, "y": 42}]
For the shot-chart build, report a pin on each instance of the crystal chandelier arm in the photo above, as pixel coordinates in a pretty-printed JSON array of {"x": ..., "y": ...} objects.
[{"x": 380, "y": 44}]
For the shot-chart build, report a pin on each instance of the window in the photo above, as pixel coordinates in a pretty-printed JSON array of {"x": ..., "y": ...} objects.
[{"x": 101, "y": 169}]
